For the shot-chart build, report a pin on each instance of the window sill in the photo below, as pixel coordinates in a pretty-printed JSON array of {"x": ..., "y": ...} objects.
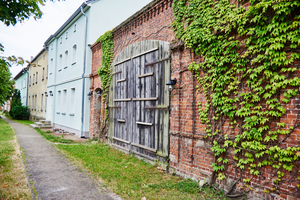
[
  {"x": 65, "y": 67},
  {"x": 72, "y": 114},
  {"x": 57, "y": 112},
  {"x": 73, "y": 63},
  {"x": 63, "y": 113}
]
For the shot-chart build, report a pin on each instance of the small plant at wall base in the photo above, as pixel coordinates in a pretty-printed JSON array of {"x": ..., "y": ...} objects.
[
  {"x": 249, "y": 74},
  {"x": 107, "y": 45}
]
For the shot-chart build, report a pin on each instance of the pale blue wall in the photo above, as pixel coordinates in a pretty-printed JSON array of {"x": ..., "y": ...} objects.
[
  {"x": 21, "y": 84},
  {"x": 103, "y": 15}
]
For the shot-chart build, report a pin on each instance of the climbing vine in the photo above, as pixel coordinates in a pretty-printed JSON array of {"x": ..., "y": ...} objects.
[
  {"x": 249, "y": 74},
  {"x": 107, "y": 45}
]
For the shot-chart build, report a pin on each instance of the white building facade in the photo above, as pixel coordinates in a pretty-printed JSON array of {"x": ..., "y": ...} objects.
[
  {"x": 21, "y": 83},
  {"x": 70, "y": 60}
]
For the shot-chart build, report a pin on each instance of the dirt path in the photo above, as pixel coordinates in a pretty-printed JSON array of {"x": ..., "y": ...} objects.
[{"x": 52, "y": 176}]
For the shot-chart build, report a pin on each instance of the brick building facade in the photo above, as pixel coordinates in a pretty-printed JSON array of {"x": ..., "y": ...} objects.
[{"x": 190, "y": 156}]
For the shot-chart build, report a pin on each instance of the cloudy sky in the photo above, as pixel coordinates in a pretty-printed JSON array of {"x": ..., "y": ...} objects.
[{"x": 27, "y": 39}]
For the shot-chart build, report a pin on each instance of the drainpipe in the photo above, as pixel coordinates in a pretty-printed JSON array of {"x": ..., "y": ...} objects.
[{"x": 84, "y": 66}]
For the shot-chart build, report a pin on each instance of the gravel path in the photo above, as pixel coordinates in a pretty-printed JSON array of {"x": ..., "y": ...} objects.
[{"x": 52, "y": 175}]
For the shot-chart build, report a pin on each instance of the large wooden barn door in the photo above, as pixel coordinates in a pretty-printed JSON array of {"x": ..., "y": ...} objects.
[{"x": 139, "y": 100}]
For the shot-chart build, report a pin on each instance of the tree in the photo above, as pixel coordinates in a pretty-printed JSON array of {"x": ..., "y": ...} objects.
[
  {"x": 6, "y": 85},
  {"x": 13, "y": 11}
]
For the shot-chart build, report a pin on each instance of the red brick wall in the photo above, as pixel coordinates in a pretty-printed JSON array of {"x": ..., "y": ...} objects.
[
  {"x": 96, "y": 99},
  {"x": 190, "y": 155}
]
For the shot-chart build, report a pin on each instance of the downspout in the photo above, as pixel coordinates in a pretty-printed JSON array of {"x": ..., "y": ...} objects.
[{"x": 84, "y": 66}]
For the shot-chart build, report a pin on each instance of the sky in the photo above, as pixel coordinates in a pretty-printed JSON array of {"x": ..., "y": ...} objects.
[{"x": 26, "y": 39}]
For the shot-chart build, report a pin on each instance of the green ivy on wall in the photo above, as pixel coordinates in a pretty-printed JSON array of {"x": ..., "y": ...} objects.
[
  {"x": 248, "y": 74},
  {"x": 107, "y": 45}
]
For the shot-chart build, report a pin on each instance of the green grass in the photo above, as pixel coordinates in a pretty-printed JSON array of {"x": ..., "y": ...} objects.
[
  {"x": 54, "y": 138},
  {"x": 132, "y": 178},
  {"x": 13, "y": 182}
]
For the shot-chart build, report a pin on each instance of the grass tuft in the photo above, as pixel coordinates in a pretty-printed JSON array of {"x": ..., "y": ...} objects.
[{"x": 54, "y": 138}]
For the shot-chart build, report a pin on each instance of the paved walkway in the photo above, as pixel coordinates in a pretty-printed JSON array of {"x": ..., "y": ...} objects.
[{"x": 52, "y": 175}]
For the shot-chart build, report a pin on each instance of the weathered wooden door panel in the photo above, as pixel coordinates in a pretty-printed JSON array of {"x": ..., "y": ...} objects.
[{"x": 139, "y": 100}]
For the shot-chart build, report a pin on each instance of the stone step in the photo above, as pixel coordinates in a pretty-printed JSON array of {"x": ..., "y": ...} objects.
[
  {"x": 38, "y": 123},
  {"x": 45, "y": 122},
  {"x": 34, "y": 126}
]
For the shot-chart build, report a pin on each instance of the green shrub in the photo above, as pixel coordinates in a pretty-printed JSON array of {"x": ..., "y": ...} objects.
[{"x": 19, "y": 112}]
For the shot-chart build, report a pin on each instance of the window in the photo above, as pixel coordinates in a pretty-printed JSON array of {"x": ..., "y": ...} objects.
[
  {"x": 29, "y": 102},
  {"x": 43, "y": 74},
  {"x": 60, "y": 62},
  {"x": 30, "y": 81},
  {"x": 74, "y": 54},
  {"x": 58, "y": 101},
  {"x": 61, "y": 40},
  {"x": 36, "y": 78},
  {"x": 32, "y": 103},
  {"x": 43, "y": 57},
  {"x": 66, "y": 59},
  {"x": 35, "y": 102},
  {"x": 51, "y": 66},
  {"x": 64, "y": 102},
  {"x": 74, "y": 28},
  {"x": 42, "y": 102},
  {"x": 51, "y": 46},
  {"x": 66, "y": 35},
  {"x": 33, "y": 79},
  {"x": 47, "y": 71},
  {"x": 72, "y": 102}
]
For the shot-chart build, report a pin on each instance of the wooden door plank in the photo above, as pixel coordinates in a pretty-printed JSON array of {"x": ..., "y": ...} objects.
[
  {"x": 153, "y": 103},
  {"x": 145, "y": 75},
  {"x": 111, "y": 112},
  {"x": 166, "y": 119},
  {"x": 147, "y": 103},
  {"x": 156, "y": 129},
  {"x": 144, "y": 147},
  {"x": 145, "y": 99},
  {"x": 144, "y": 123},
  {"x": 120, "y": 100},
  {"x": 143, "y": 95}
]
